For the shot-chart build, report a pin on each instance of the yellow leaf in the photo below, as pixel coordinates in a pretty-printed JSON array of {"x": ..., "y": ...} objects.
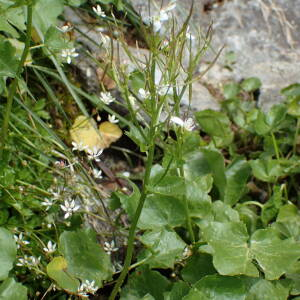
[{"x": 85, "y": 132}]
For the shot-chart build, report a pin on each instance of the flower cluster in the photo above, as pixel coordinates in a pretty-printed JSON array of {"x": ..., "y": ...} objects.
[
  {"x": 187, "y": 124},
  {"x": 110, "y": 247},
  {"x": 28, "y": 261},
  {"x": 20, "y": 240},
  {"x": 69, "y": 208},
  {"x": 162, "y": 16},
  {"x": 87, "y": 287},
  {"x": 68, "y": 54}
]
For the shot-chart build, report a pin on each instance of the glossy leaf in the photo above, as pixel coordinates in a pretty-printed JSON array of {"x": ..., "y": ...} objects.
[
  {"x": 237, "y": 175},
  {"x": 165, "y": 248},
  {"x": 8, "y": 60},
  {"x": 179, "y": 290},
  {"x": 215, "y": 124},
  {"x": 8, "y": 252},
  {"x": 203, "y": 162},
  {"x": 12, "y": 290},
  {"x": 251, "y": 84},
  {"x": 57, "y": 270},
  {"x": 145, "y": 281},
  {"x": 268, "y": 248},
  {"x": 217, "y": 287},
  {"x": 197, "y": 266},
  {"x": 266, "y": 290},
  {"x": 231, "y": 255},
  {"x": 85, "y": 258},
  {"x": 267, "y": 170},
  {"x": 160, "y": 211}
]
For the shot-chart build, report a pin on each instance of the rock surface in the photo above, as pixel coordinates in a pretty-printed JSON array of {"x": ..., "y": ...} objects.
[{"x": 263, "y": 35}]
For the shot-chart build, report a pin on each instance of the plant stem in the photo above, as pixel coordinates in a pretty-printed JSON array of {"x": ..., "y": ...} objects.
[
  {"x": 13, "y": 87},
  {"x": 296, "y": 136},
  {"x": 135, "y": 220},
  {"x": 275, "y": 146}
]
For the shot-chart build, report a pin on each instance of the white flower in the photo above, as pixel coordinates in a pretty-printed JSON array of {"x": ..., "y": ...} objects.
[
  {"x": 48, "y": 203},
  {"x": 188, "y": 124},
  {"x": 126, "y": 174},
  {"x": 143, "y": 94},
  {"x": 20, "y": 240},
  {"x": 163, "y": 16},
  {"x": 97, "y": 173},
  {"x": 69, "y": 208},
  {"x": 65, "y": 28},
  {"x": 29, "y": 262},
  {"x": 188, "y": 35},
  {"x": 79, "y": 147},
  {"x": 68, "y": 54},
  {"x": 50, "y": 248},
  {"x": 105, "y": 39},
  {"x": 110, "y": 247},
  {"x": 106, "y": 98},
  {"x": 87, "y": 287},
  {"x": 112, "y": 119},
  {"x": 98, "y": 11},
  {"x": 93, "y": 154}
]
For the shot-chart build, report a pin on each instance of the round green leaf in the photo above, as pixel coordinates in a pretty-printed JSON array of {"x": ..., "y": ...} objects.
[
  {"x": 11, "y": 290},
  {"x": 85, "y": 258},
  {"x": 251, "y": 84},
  {"x": 8, "y": 252}
]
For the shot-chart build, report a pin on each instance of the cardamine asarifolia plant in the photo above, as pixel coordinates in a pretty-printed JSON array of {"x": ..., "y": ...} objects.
[{"x": 212, "y": 213}]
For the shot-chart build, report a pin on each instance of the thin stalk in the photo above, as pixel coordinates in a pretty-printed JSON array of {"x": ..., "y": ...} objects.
[
  {"x": 296, "y": 136},
  {"x": 13, "y": 87},
  {"x": 135, "y": 221},
  {"x": 275, "y": 146}
]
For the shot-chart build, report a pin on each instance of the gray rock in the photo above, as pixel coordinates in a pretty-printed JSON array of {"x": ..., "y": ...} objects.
[{"x": 262, "y": 33}]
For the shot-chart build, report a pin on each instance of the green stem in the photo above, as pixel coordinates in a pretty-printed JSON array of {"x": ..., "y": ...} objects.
[
  {"x": 275, "y": 146},
  {"x": 13, "y": 87},
  {"x": 296, "y": 136},
  {"x": 135, "y": 221}
]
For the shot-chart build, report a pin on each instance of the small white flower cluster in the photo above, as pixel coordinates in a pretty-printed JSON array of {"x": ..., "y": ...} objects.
[
  {"x": 55, "y": 195},
  {"x": 98, "y": 11},
  {"x": 97, "y": 173},
  {"x": 28, "y": 261},
  {"x": 94, "y": 153},
  {"x": 50, "y": 247},
  {"x": 187, "y": 124},
  {"x": 87, "y": 287},
  {"x": 68, "y": 54},
  {"x": 78, "y": 147},
  {"x": 20, "y": 240},
  {"x": 113, "y": 119},
  {"x": 106, "y": 98},
  {"x": 65, "y": 28},
  {"x": 69, "y": 208},
  {"x": 110, "y": 247},
  {"x": 163, "y": 16}
]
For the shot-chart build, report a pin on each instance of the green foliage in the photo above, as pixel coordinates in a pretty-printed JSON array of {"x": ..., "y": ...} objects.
[
  {"x": 11, "y": 290},
  {"x": 8, "y": 251},
  {"x": 215, "y": 215},
  {"x": 85, "y": 259}
]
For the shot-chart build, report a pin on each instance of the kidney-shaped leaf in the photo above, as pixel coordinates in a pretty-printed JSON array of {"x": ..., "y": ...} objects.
[
  {"x": 216, "y": 287},
  {"x": 85, "y": 258},
  {"x": 231, "y": 255},
  {"x": 274, "y": 256},
  {"x": 166, "y": 247}
]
